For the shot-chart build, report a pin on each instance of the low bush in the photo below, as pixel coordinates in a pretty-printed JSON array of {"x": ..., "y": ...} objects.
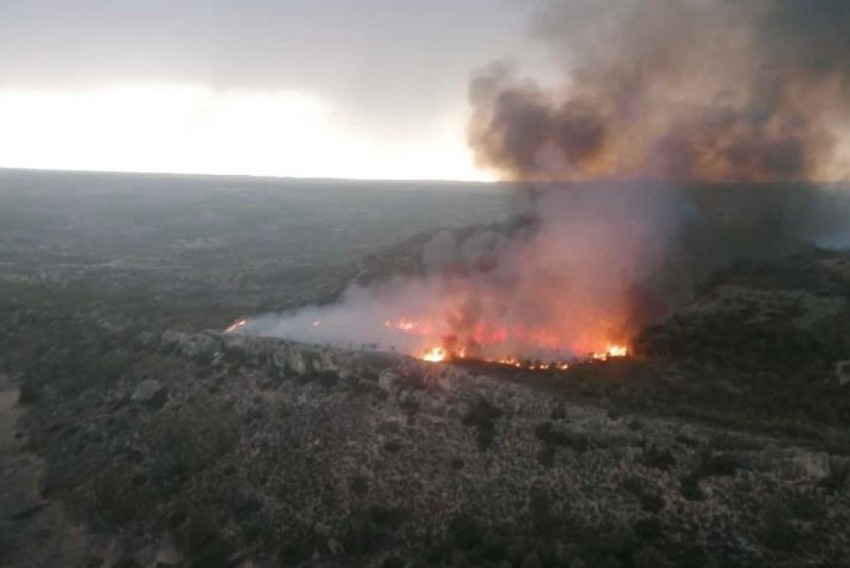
[{"x": 482, "y": 416}]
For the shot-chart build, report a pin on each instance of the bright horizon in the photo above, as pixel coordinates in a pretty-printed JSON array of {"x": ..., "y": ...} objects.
[
  {"x": 249, "y": 88},
  {"x": 195, "y": 130}
]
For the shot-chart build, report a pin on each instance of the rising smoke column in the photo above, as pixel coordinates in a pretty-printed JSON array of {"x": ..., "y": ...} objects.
[
  {"x": 561, "y": 286},
  {"x": 679, "y": 92},
  {"x": 709, "y": 90}
]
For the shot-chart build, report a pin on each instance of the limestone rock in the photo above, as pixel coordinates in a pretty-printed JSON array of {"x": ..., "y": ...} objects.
[
  {"x": 147, "y": 391},
  {"x": 842, "y": 372},
  {"x": 388, "y": 380}
]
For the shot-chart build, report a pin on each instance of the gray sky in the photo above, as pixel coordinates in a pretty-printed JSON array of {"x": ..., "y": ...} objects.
[{"x": 389, "y": 77}]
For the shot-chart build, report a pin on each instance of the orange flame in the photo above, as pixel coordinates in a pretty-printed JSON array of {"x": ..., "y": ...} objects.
[
  {"x": 488, "y": 343},
  {"x": 235, "y": 326},
  {"x": 442, "y": 354},
  {"x": 611, "y": 352},
  {"x": 435, "y": 355}
]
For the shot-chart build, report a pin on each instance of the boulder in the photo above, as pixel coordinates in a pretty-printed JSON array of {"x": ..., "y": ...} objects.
[
  {"x": 388, "y": 380},
  {"x": 300, "y": 361},
  {"x": 842, "y": 372},
  {"x": 148, "y": 339},
  {"x": 811, "y": 465},
  {"x": 279, "y": 358},
  {"x": 147, "y": 391}
]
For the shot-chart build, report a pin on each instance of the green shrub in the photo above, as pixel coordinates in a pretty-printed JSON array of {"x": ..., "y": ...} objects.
[
  {"x": 690, "y": 488},
  {"x": 326, "y": 379},
  {"x": 546, "y": 456},
  {"x": 30, "y": 393},
  {"x": 482, "y": 416},
  {"x": 649, "y": 529},
  {"x": 202, "y": 539},
  {"x": 837, "y": 478},
  {"x": 649, "y": 557},
  {"x": 658, "y": 458},
  {"x": 778, "y": 530},
  {"x": 548, "y": 434},
  {"x": 718, "y": 464},
  {"x": 651, "y": 503},
  {"x": 559, "y": 412},
  {"x": 359, "y": 484},
  {"x": 388, "y": 517},
  {"x": 119, "y": 497},
  {"x": 466, "y": 532},
  {"x": 197, "y": 433}
]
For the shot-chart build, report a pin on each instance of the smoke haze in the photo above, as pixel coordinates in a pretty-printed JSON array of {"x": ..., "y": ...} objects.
[
  {"x": 539, "y": 292},
  {"x": 686, "y": 94}
]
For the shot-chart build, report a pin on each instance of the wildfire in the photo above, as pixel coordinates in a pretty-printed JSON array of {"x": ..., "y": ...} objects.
[
  {"x": 410, "y": 326},
  {"x": 484, "y": 342},
  {"x": 531, "y": 365},
  {"x": 611, "y": 352},
  {"x": 236, "y": 326},
  {"x": 435, "y": 355},
  {"x": 441, "y": 354}
]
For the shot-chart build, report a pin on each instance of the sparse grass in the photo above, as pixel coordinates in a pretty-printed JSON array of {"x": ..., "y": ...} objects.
[
  {"x": 120, "y": 496},
  {"x": 203, "y": 539}
]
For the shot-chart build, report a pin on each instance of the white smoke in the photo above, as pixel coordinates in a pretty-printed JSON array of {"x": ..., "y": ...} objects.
[{"x": 562, "y": 287}]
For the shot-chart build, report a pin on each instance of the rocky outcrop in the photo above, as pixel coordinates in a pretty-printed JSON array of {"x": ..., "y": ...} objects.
[
  {"x": 842, "y": 372},
  {"x": 147, "y": 391}
]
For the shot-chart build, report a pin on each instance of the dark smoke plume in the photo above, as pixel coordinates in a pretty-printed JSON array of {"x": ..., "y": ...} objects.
[{"x": 709, "y": 90}]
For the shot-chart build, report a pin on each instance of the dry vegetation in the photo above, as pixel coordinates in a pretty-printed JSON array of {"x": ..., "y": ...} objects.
[{"x": 721, "y": 442}]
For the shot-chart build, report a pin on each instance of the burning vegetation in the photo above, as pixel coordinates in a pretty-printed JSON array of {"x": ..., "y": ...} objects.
[
  {"x": 236, "y": 326},
  {"x": 596, "y": 265},
  {"x": 675, "y": 94},
  {"x": 447, "y": 349},
  {"x": 480, "y": 347}
]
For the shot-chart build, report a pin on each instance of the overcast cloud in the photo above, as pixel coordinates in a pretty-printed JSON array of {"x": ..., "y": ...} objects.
[{"x": 395, "y": 64}]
